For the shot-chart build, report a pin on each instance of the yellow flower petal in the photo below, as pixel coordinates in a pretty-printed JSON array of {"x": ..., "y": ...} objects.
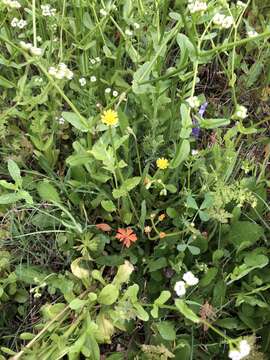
[{"x": 109, "y": 117}]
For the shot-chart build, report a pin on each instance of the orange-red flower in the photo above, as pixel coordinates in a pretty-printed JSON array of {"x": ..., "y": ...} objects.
[{"x": 127, "y": 236}]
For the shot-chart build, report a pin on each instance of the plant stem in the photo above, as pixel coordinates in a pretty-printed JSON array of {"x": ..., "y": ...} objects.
[{"x": 34, "y": 22}]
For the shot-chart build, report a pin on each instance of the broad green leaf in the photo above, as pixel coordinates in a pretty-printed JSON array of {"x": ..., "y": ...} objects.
[
  {"x": 105, "y": 328},
  {"x": 117, "y": 193},
  {"x": 186, "y": 46},
  {"x": 157, "y": 264},
  {"x": 48, "y": 192},
  {"x": 79, "y": 269},
  {"x": 108, "y": 295},
  {"x": 182, "y": 153},
  {"x": 167, "y": 330},
  {"x": 9, "y": 198},
  {"x": 108, "y": 205},
  {"x": 15, "y": 172},
  {"x": 191, "y": 202},
  {"x": 77, "y": 304},
  {"x": 186, "y": 311},
  {"x": 244, "y": 234},
  {"x": 76, "y": 121},
  {"x": 209, "y": 277},
  {"x": 186, "y": 122},
  {"x": 131, "y": 183},
  {"x": 163, "y": 297},
  {"x": 7, "y": 185},
  {"x": 213, "y": 123}
]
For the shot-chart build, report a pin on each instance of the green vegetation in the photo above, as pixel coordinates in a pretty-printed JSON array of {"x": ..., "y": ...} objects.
[{"x": 134, "y": 179}]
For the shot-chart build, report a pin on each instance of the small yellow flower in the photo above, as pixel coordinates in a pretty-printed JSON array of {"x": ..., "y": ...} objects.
[
  {"x": 162, "y": 163},
  {"x": 109, "y": 117},
  {"x": 161, "y": 217},
  {"x": 162, "y": 235}
]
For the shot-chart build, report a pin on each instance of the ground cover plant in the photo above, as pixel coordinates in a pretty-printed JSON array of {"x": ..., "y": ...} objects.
[{"x": 134, "y": 179}]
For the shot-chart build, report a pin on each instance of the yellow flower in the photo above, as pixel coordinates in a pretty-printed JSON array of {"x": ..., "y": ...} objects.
[
  {"x": 161, "y": 217},
  {"x": 162, "y": 163},
  {"x": 109, "y": 117}
]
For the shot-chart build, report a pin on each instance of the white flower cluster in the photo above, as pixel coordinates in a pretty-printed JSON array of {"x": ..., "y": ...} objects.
[
  {"x": 103, "y": 12},
  {"x": 223, "y": 21},
  {"x": 128, "y": 32},
  {"x": 61, "y": 72},
  {"x": 18, "y": 23},
  {"x": 82, "y": 81},
  {"x": 193, "y": 102},
  {"x": 136, "y": 26},
  {"x": 188, "y": 280},
  {"x": 240, "y": 112},
  {"x": 35, "y": 51},
  {"x": 196, "y": 6},
  {"x": 60, "y": 120},
  {"x": 109, "y": 90},
  {"x": 240, "y": 3},
  {"x": 47, "y": 10},
  {"x": 12, "y": 4},
  {"x": 95, "y": 60},
  {"x": 242, "y": 352},
  {"x": 252, "y": 33}
]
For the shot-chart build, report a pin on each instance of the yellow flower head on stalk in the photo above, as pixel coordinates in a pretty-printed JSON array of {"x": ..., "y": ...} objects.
[
  {"x": 162, "y": 163},
  {"x": 109, "y": 117}
]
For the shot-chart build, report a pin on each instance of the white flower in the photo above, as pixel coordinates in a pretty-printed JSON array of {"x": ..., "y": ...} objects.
[
  {"x": 128, "y": 32},
  {"x": 190, "y": 279},
  {"x": 36, "y": 51},
  {"x": 39, "y": 39},
  {"x": 12, "y": 4},
  {"x": 197, "y": 6},
  {"x": 218, "y": 19},
  {"x": 252, "y": 33},
  {"x": 108, "y": 90},
  {"x": 21, "y": 24},
  {"x": 61, "y": 72},
  {"x": 180, "y": 288},
  {"x": 227, "y": 22},
  {"x": 61, "y": 120},
  {"x": 52, "y": 71},
  {"x": 194, "y": 152},
  {"x": 240, "y": 3},
  {"x": 14, "y": 22},
  {"x": 136, "y": 26},
  {"x": 47, "y": 10},
  {"x": 241, "y": 112},
  {"x": 97, "y": 59},
  {"x": 115, "y": 93},
  {"x": 92, "y": 61},
  {"x": 235, "y": 355},
  {"x": 244, "y": 348},
  {"x": 69, "y": 74},
  {"x": 103, "y": 12},
  {"x": 82, "y": 81},
  {"x": 193, "y": 102},
  {"x": 25, "y": 46},
  {"x": 93, "y": 79}
]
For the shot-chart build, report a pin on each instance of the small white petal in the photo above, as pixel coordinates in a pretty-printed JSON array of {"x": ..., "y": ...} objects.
[
  {"x": 190, "y": 279},
  {"x": 115, "y": 93},
  {"x": 93, "y": 79},
  {"x": 108, "y": 90},
  {"x": 180, "y": 288}
]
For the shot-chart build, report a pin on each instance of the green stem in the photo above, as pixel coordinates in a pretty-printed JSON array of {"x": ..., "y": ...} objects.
[{"x": 34, "y": 22}]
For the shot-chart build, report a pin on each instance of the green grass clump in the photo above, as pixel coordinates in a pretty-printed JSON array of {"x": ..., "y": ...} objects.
[{"x": 134, "y": 179}]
